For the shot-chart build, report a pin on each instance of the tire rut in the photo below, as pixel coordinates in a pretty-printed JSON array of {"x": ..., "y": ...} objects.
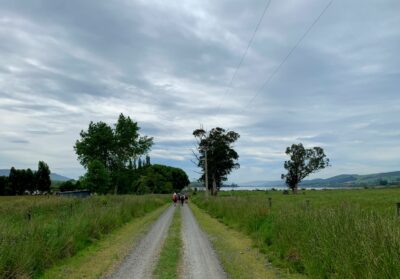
[
  {"x": 200, "y": 260},
  {"x": 139, "y": 264}
]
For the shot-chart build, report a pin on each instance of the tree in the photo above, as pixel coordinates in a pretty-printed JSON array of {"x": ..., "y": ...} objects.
[
  {"x": 43, "y": 181},
  {"x": 129, "y": 143},
  {"x": 4, "y": 189},
  {"x": 97, "y": 143},
  {"x": 221, "y": 157},
  {"x": 302, "y": 163},
  {"x": 13, "y": 180},
  {"x": 97, "y": 178},
  {"x": 114, "y": 148},
  {"x": 68, "y": 185}
]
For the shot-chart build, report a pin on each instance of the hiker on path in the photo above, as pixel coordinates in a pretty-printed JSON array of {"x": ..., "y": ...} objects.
[
  {"x": 182, "y": 198},
  {"x": 174, "y": 198}
]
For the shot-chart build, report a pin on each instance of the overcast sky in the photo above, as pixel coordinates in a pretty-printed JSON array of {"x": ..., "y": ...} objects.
[{"x": 168, "y": 64}]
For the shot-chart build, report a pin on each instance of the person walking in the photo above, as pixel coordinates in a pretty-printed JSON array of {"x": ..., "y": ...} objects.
[
  {"x": 182, "y": 198},
  {"x": 174, "y": 198}
]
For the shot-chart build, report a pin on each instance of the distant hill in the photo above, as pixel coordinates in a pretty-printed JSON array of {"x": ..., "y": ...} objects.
[
  {"x": 343, "y": 180},
  {"x": 53, "y": 176}
]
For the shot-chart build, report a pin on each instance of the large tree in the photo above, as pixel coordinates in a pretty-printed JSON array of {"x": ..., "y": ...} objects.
[
  {"x": 302, "y": 163},
  {"x": 221, "y": 157},
  {"x": 114, "y": 148},
  {"x": 97, "y": 143},
  {"x": 97, "y": 178},
  {"x": 43, "y": 181}
]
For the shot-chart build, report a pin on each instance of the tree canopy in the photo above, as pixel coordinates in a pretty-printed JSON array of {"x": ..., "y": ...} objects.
[
  {"x": 24, "y": 181},
  {"x": 302, "y": 163},
  {"x": 117, "y": 161},
  {"x": 112, "y": 147},
  {"x": 221, "y": 157}
]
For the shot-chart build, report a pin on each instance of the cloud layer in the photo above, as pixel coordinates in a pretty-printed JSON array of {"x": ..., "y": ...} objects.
[{"x": 167, "y": 65}]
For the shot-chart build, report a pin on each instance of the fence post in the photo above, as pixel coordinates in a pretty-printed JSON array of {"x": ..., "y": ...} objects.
[
  {"x": 270, "y": 202},
  {"x": 398, "y": 209},
  {"x": 29, "y": 215}
]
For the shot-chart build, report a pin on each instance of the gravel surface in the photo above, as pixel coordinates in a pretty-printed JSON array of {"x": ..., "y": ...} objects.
[
  {"x": 141, "y": 261},
  {"x": 200, "y": 261}
]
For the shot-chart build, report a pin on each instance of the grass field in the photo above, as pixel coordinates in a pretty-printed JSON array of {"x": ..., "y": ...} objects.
[
  {"x": 322, "y": 234},
  {"x": 37, "y": 232}
]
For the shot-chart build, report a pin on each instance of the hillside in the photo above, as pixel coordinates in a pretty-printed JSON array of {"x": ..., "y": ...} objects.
[
  {"x": 53, "y": 176},
  {"x": 343, "y": 180}
]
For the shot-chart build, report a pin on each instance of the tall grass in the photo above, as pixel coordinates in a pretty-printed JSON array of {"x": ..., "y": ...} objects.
[
  {"x": 36, "y": 232},
  {"x": 337, "y": 234}
]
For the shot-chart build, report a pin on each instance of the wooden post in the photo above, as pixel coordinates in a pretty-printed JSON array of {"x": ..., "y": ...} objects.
[
  {"x": 29, "y": 215},
  {"x": 270, "y": 202},
  {"x": 398, "y": 209}
]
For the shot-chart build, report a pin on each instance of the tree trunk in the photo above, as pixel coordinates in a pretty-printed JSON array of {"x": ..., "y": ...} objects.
[{"x": 214, "y": 187}]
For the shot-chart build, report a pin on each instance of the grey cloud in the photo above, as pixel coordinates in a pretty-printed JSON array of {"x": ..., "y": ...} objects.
[{"x": 167, "y": 64}]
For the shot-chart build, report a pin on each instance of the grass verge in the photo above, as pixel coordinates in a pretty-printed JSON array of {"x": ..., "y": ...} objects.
[
  {"x": 38, "y": 232},
  {"x": 171, "y": 254},
  {"x": 321, "y": 234},
  {"x": 104, "y": 256},
  {"x": 238, "y": 257}
]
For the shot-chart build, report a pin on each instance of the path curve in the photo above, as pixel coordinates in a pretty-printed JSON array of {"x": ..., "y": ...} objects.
[
  {"x": 139, "y": 264},
  {"x": 200, "y": 260}
]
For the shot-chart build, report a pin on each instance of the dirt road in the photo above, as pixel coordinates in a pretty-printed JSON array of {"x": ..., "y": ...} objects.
[
  {"x": 199, "y": 260},
  {"x": 140, "y": 263}
]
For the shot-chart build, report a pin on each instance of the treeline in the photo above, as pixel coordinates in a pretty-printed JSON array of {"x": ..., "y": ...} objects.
[
  {"x": 26, "y": 181},
  {"x": 116, "y": 160},
  {"x": 140, "y": 180}
]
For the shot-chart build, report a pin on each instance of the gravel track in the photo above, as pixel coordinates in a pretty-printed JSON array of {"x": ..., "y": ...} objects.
[
  {"x": 141, "y": 261},
  {"x": 200, "y": 261}
]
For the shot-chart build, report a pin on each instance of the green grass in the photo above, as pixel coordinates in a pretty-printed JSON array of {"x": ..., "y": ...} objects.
[
  {"x": 239, "y": 259},
  {"x": 339, "y": 234},
  {"x": 102, "y": 257},
  {"x": 38, "y": 232},
  {"x": 169, "y": 262}
]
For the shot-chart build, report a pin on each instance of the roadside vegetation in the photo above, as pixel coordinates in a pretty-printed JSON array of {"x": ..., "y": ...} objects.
[
  {"x": 170, "y": 259},
  {"x": 38, "y": 232},
  {"x": 322, "y": 234},
  {"x": 103, "y": 257},
  {"x": 239, "y": 259}
]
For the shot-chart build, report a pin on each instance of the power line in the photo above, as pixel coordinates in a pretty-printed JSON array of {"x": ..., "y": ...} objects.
[
  {"x": 288, "y": 55},
  {"x": 245, "y": 53}
]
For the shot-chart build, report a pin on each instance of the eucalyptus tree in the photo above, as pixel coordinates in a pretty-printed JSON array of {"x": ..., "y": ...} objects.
[
  {"x": 216, "y": 157},
  {"x": 302, "y": 163}
]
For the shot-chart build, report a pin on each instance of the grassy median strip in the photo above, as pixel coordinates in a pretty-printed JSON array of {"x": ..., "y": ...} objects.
[
  {"x": 104, "y": 255},
  {"x": 235, "y": 250},
  {"x": 171, "y": 253}
]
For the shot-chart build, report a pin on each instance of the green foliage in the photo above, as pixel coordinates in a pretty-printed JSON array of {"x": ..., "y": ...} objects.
[
  {"x": 42, "y": 175},
  {"x": 4, "y": 186},
  {"x": 221, "y": 157},
  {"x": 302, "y": 163},
  {"x": 22, "y": 181},
  {"x": 97, "y": 178},
  {"x": 159, "y": 179},
  {"x": 129, "y": 144},
  {"x": 97, "y": 143},
  {"x": 337, "y": 234},
  {"x": 115, "y": 149},
  {"x": 37, "y": 232},
  {"x": 70, "y": 185}
]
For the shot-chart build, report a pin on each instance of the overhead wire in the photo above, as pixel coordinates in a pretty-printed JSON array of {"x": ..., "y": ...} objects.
[
  {"x": 229, "y": 85},
  {"x": 288, "y": 54}
]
